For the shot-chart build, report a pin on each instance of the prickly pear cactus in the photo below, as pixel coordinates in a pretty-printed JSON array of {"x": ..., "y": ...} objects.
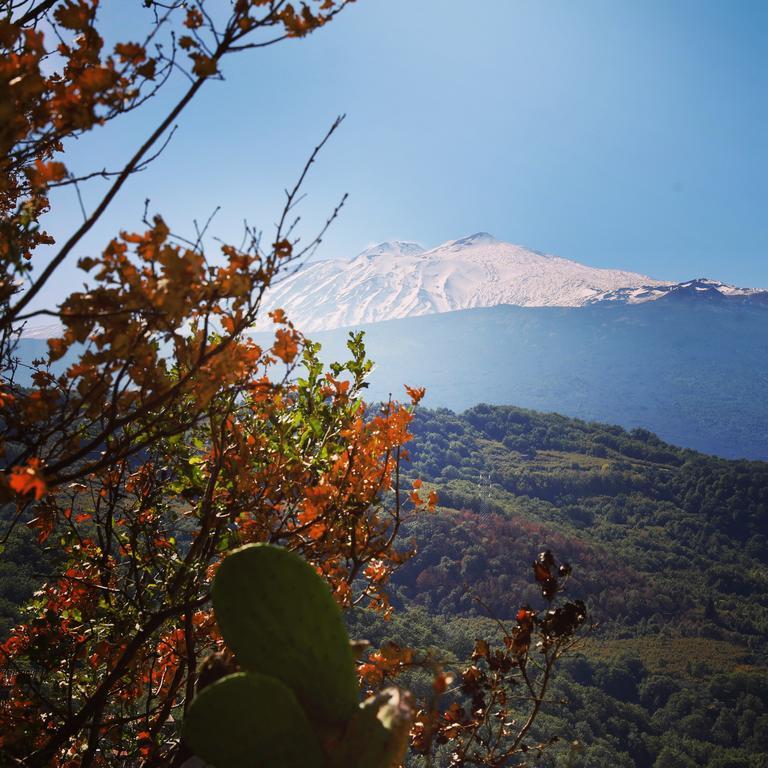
[
  {"x": 377, "y": 735},
  {"x": 296, "y": 704},
  {"x": 280, "y": 619},
  {"x": 246, "y": 720}
]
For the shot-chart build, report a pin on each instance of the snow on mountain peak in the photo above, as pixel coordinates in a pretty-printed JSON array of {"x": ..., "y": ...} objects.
[
  {"x": 698, "y": 289},
  {"x": 400, "y": 279},
  {"x": 392, "y": 248},
  {"x": 479, "y": 238}
]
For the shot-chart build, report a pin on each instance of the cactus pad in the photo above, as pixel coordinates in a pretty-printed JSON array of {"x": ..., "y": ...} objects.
[
  {"x": 247, "y": 720},
  {"x": 377, "y": 736},
  {"x": 280, "y": 619}
]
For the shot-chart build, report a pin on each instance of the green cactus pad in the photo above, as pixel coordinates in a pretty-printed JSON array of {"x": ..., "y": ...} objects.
[
  {"x": 279, "y": 618},
  {"x": 377, "y": 735},
  {"x": 250, "y": 721}
]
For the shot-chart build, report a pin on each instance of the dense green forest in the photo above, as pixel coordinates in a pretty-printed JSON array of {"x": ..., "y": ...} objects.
[
  {"x": 669, "y": 549},
  {"x": 24, "y": 565}
]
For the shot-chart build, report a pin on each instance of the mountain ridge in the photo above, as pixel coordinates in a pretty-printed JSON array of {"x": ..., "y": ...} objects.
[
  {"x": 698, "y": 288},
  {"x": 400, "y": 278},
  {"x": 396, "y": 279}
]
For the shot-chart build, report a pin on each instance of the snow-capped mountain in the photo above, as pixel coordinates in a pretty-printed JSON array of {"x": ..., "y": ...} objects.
[
  {"x": 46, "y": 331},
  {"x": 401, "y": 279},
  {"x": 699, "y": 289}
]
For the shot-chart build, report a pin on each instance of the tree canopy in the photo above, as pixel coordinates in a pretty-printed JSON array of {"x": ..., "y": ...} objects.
[{"x": 172, "y": 436}]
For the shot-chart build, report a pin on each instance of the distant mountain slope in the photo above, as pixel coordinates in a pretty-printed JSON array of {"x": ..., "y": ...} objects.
[
  {"x": 700, "y": 289},
  {"x": 696, "y": 373},
  {"x": 401, "y": 279}
]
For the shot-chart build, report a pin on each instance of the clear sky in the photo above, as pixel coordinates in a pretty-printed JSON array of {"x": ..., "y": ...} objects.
[{"x": 619, "y": 133}]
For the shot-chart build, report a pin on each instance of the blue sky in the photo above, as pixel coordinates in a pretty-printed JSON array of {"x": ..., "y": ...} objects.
[{"x": 619, "y": 133}]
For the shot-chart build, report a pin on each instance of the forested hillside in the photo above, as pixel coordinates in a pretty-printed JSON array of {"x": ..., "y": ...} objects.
[{"x": 669, "y": 551}]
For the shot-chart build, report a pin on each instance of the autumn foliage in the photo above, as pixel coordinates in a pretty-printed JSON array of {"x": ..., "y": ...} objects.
[
  {"x": 170, "y": 436},
  {"x": 156, "y": 434}
]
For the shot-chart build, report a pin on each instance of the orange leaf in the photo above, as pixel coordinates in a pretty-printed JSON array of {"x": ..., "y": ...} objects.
[
  {"x": 45, "y": 173},
  {"x": 285, "y": 346},
  {"x": 283, "y": 249},
  {"x": 194, "y": 19},
  {"x": 415, "y": 393},
  {"x": 204, "y": 66},
  {"x": 57, "y": 348},
  {"x": 73, "y": 15},
  {"x": 29, "y": 479},
  {"x": 132, "y": 52},
  {"x": 228, "y": 324}
]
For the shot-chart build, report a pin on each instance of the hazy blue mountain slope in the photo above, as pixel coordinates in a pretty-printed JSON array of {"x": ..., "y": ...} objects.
[{"x": 694, "y": 372}]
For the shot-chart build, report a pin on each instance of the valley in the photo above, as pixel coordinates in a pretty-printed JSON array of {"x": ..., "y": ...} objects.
[{"x": 669, "y": 549}]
